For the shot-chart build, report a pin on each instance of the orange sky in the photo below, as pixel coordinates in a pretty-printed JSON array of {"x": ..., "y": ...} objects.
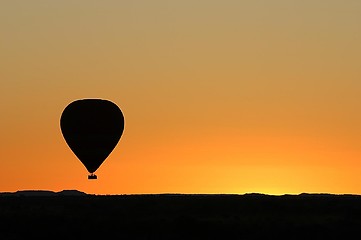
[{"x": 218, "y": 96}]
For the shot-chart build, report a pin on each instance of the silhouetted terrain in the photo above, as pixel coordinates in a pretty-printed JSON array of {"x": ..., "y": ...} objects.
[
  {"x": 75, "y": 215},
  {"x": 42, "y": 193}
]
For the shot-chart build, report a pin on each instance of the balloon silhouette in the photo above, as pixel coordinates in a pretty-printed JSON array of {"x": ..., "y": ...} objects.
[{"x": 92, "y": 128}]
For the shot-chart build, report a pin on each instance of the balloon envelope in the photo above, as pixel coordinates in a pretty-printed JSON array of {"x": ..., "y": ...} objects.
[{"x": 92, "y": 128}]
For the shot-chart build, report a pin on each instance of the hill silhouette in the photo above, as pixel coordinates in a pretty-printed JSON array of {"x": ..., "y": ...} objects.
[
  {"x": 72, "y": 214},
  {"x": 43, "y": 193}
]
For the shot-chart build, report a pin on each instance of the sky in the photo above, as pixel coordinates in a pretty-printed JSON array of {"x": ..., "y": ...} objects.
[{"x": 226, "y": 96}]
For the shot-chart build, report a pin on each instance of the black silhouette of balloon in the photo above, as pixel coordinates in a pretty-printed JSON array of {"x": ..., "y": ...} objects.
[{"x": 92, "y": 128}]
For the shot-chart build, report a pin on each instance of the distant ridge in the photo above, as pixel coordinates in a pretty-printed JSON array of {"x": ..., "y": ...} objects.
[
  {"x": 71, "y": 193},
  {"x": 48, "y": 193},
  {"x": 43, "y": 193}
]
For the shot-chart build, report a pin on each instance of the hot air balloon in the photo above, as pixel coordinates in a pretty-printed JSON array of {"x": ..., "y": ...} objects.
[{"x": 92, "y": 128}]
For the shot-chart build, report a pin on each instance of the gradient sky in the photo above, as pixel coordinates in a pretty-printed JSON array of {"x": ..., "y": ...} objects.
[{"x": 218, "y": 96}]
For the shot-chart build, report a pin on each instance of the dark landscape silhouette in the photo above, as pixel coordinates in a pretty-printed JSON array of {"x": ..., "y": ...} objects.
[{"x": 72, "y": 214}]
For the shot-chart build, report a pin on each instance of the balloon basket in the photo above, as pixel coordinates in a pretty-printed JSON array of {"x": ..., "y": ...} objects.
[{"x": 92, "y": 176}]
